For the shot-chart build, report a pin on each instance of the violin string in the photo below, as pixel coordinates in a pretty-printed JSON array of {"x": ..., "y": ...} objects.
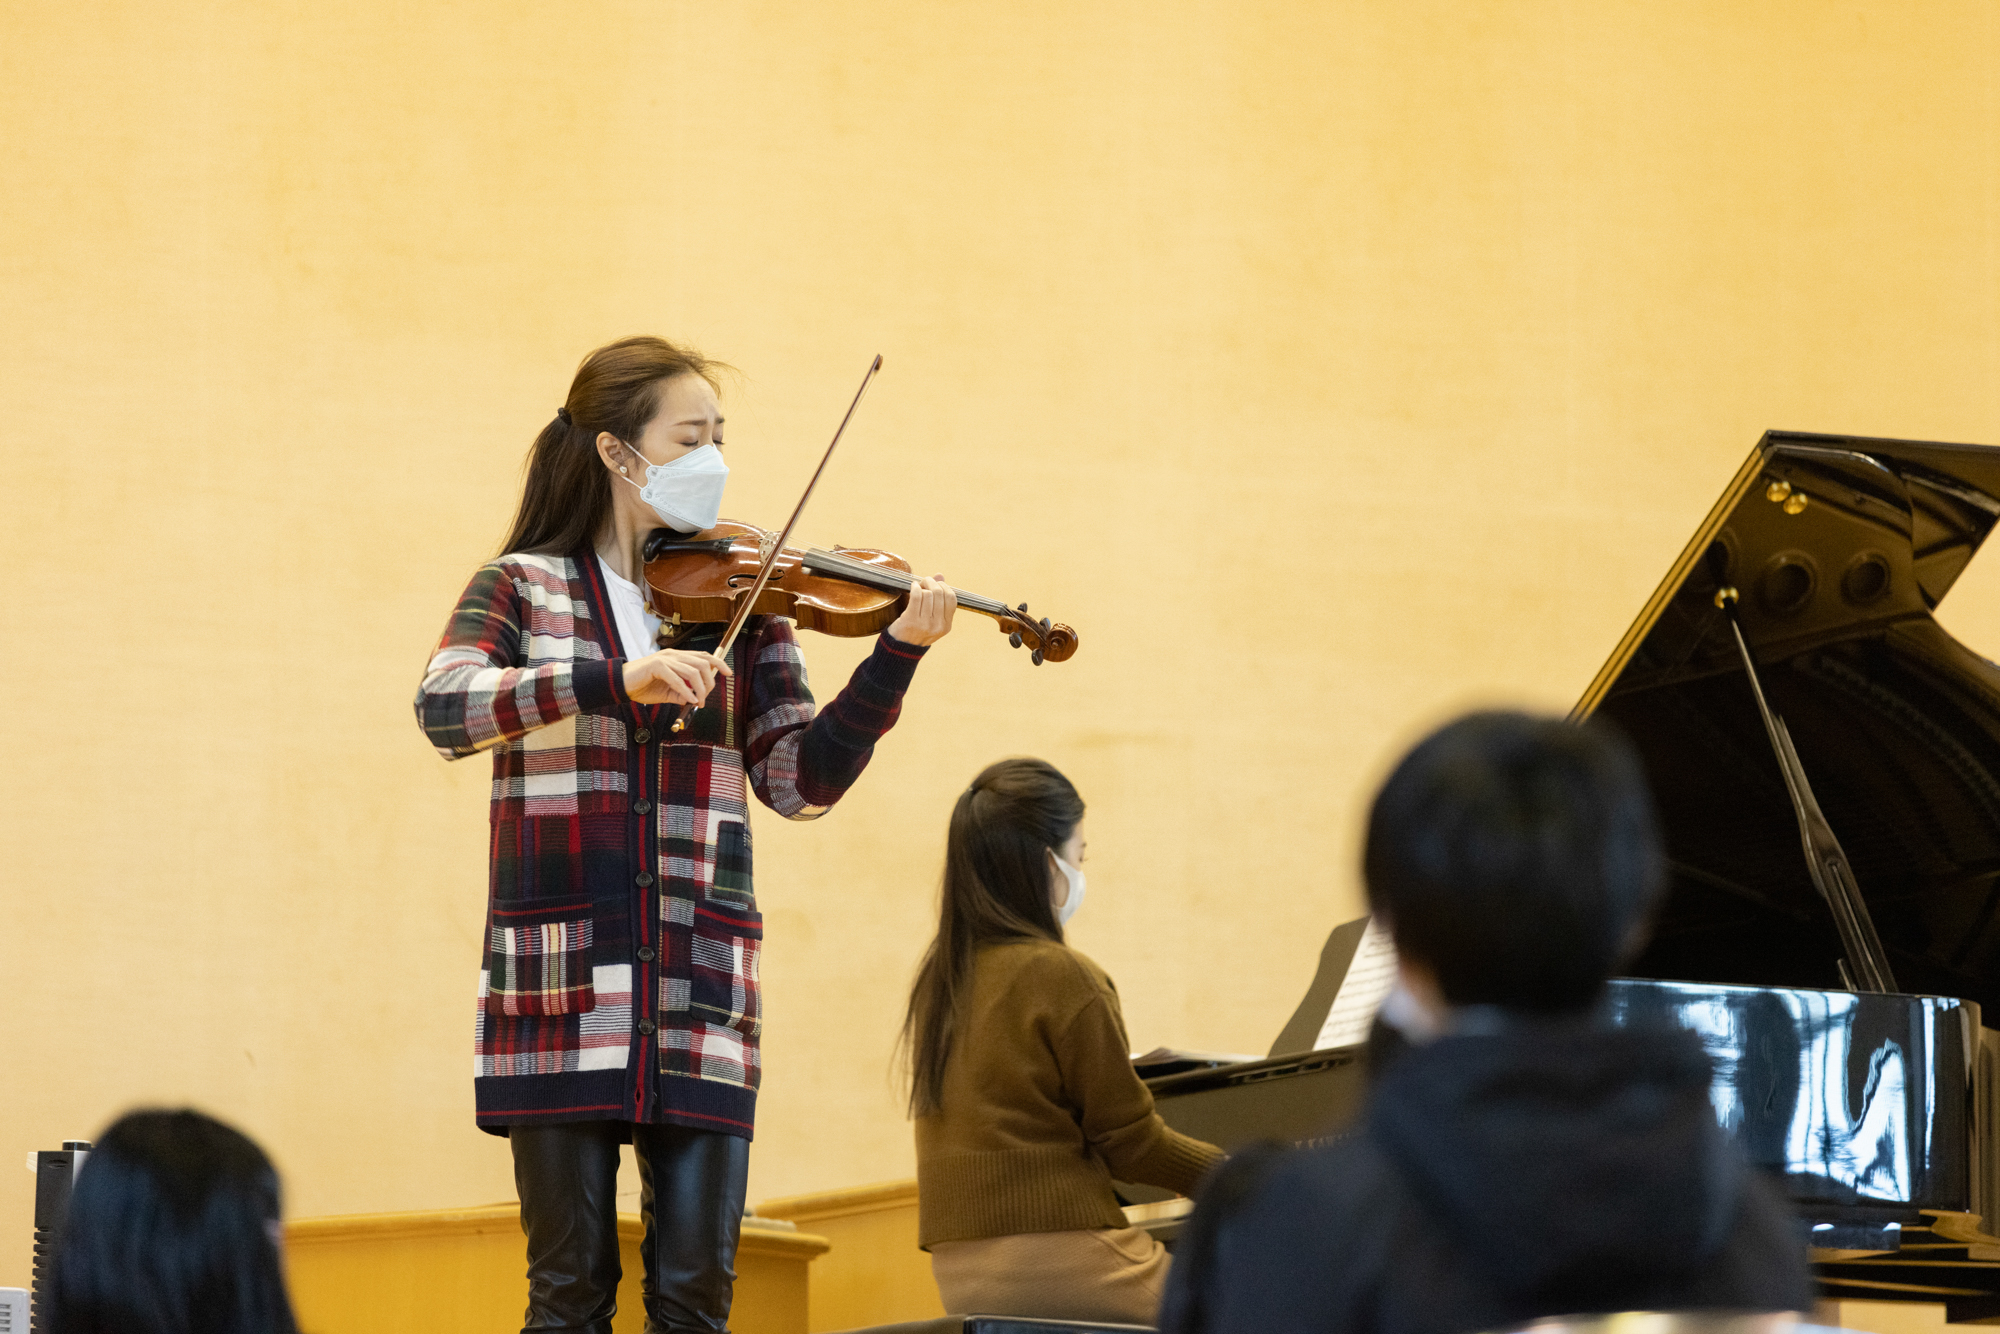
[{"x": 895, "y": 580}]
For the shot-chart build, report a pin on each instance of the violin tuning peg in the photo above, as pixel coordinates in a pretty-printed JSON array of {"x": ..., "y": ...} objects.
[
  {"x": 1037, "y": 658},
  {"x": 1045, "y": 626},
  {"x": 1023, "y": 609},
  {"x": 1015, "y": 639}
]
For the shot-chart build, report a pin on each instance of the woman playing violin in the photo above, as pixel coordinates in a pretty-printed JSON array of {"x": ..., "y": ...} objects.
[{"x": 619, "y": 987}]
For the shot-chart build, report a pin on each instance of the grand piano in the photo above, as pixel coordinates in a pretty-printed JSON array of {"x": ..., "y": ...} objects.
[{"x": 1826, "y": 761}]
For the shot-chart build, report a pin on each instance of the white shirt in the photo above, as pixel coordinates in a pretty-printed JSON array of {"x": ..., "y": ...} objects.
[{"x": 637, "y": 626}]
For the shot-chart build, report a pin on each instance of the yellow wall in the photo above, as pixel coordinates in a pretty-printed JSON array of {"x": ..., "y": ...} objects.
[{"x": 1328, "y": 364}]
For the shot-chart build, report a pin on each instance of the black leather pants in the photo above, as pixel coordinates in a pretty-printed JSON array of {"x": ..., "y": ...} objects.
[{"x": 691, "y": 1186}]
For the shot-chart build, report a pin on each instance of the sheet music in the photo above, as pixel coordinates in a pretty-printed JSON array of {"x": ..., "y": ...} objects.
[{"x": 1369, "y": 978}]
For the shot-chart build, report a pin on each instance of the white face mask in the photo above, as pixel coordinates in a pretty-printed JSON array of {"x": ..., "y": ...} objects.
[
  {"x": 687, "y": 493},
  {"x": 1075, "y": 899}
]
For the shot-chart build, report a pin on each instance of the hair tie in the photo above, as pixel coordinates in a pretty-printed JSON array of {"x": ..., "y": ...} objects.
[{"x": 562, "y": 415}]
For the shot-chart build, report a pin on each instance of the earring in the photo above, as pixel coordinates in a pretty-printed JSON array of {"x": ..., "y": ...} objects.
[{"x": 621, "y": 470}]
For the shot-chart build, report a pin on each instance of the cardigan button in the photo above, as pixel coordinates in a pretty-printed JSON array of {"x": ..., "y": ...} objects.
[
  {"x": 642, "y": 805},
  {"x": 646, "y": 1027},
  {"x": 643, "y": 735},
  {"x": 645, "y": 954},
  {"x": 644, "y": 878}
]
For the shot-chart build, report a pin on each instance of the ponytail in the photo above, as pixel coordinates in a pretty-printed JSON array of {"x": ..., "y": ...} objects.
[{"x": 566, "y": 499}]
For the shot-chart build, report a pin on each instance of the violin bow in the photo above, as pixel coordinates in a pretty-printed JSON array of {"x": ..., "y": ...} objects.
[{"x": 770, "y": 561}]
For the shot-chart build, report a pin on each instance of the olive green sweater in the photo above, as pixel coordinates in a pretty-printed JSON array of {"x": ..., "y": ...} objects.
[{"x": 1041, "y": 1106}]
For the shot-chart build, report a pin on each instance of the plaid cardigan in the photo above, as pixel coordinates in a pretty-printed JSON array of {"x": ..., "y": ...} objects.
[{"x": 622, "y": 936}]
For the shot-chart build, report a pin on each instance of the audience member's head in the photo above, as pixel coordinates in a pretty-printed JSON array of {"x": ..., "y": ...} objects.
[
  {"x": 172, "y": 1229},
  {"x": 1516, "y": 858}
]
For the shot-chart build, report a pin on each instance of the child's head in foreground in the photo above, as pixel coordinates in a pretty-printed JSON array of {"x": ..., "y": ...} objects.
[{"x": 1516, "y": 860}]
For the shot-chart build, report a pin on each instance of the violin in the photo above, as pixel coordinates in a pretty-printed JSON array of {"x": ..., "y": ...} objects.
[
  {"x": 847, "y": 592},
  {"x": 738, "y": 571}
]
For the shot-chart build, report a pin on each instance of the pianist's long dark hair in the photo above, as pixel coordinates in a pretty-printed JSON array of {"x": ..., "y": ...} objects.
[{"x": 996, "y": 887}]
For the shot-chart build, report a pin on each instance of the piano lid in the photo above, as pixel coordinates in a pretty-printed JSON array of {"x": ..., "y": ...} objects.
[{"x": 1840, "y": 547}]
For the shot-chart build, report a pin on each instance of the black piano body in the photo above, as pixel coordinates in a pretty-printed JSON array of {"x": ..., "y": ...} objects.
[{"x": 1876, "y": 1109}]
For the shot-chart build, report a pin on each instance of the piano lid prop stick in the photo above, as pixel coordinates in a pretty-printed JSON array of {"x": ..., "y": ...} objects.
[{"x": 1866, "y": 967}]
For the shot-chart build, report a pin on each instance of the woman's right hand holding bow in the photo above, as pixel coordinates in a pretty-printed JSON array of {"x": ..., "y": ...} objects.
[{"x": 673, "y": 676}]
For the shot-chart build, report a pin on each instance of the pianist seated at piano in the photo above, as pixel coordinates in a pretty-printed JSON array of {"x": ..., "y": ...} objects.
[
  {"x": 1022, "y": 1087},
  {"x": 1517, "y": 1159}
]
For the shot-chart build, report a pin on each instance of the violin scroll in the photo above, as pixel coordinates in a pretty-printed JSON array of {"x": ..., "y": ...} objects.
[{"x": 1051, "y": 642}]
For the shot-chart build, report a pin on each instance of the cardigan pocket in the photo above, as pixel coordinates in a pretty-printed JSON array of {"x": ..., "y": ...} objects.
[
  {"x": 726, "y": 948},
  {"x": 538, "y": 958}
]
